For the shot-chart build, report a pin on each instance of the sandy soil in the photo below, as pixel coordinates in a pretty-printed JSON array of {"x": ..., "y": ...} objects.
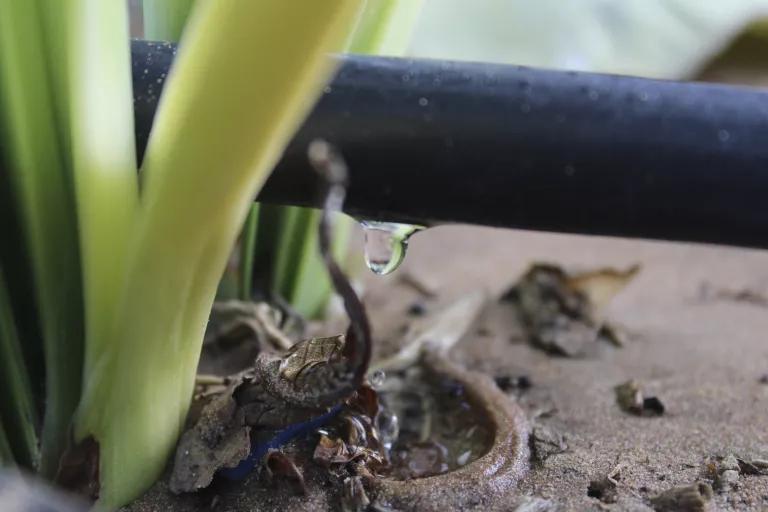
[{"x": 703, "y": 357}]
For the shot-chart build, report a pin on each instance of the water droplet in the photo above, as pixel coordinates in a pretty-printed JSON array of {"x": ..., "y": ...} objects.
[
  {"x": 388, "y": 426},
  {"x": 377, "y": 379},
  {"x": 723, "y": 135},
  {"x": 423, "y": 102},
  {"x": 327, "y": 89},
  {"x": 569, "y": 170},
  {"x": 525, "y": 108},
  {"x": 462, "y": 459},
  {"x": 593, "y": 95},
  {"x": 644, "y": 97},
  {"x": 386, "y": 244}
]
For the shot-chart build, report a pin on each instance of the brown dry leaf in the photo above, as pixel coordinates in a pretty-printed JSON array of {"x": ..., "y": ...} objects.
[
  {"x": 215, "y": 442},
  {"x": 334, "y": 451},
  {"x": 310, "y": 353},
  {"x": 602, "y": 285},
  {"x": 353, "y": 495},
  {"x": 235, "y": 319},
  {"x": 279, "y": 465},
  {"x": 559, "y": 311}
]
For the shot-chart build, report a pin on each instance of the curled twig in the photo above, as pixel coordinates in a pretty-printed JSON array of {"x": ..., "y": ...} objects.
[{"x": 331, "y": 167}]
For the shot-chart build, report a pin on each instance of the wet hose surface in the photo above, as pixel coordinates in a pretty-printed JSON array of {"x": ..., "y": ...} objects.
[{"x": 432, "y": 141}]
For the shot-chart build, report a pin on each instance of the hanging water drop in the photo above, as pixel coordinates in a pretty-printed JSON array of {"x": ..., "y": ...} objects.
[{"x": 386, "y": 244}]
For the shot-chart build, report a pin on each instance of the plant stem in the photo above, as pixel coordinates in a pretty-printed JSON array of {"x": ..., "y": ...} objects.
[
  {"x": 164, "y": 20},
  {"x": 247, "y": 253},
  {"x": 229, "y": 107}
]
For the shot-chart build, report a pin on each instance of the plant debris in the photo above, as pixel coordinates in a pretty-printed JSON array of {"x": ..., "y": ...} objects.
[
  {"x": 78, "y": 470},
  {"x": 437, "y": 332},
  {"x": 561, "y": 312},
  {"x": 281, "y": 398},
  {"x": 691, "y": 498},
  {"x": 630, "y": 398},
  {"x": 546, "y": 440},
  {"x": 238, "y": 331},
  {"x": 353, "y": 496},
  {"x": 753, "y": 466},
  {"x": 707, "y": 292},
  {"x": 279, "y": 465}
]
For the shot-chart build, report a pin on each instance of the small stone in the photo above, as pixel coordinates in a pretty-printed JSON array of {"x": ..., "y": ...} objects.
[
  {"x": 729, "y": 462},
  {"x": 545, "y": 442},
  {"x": 630, "y": 398},
  {"x": 691, "y": 498},
  {"x": 727, "y": 480}
]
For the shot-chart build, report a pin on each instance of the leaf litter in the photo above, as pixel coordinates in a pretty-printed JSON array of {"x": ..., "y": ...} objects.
[{"x": 562, "y": 312}]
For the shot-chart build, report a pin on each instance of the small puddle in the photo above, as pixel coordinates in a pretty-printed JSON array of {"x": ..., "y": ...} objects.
[{"x": 429, "y": 424}]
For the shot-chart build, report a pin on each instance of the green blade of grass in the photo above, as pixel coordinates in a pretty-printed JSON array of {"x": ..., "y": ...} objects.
[
  {"x": 42, "y": 189},
  {"x": 246, "y": 74},
  {"x": 17, "y": 407}
]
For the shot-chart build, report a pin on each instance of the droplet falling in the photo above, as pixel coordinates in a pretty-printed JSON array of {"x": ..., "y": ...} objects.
[{"x": 386, "y": 244}]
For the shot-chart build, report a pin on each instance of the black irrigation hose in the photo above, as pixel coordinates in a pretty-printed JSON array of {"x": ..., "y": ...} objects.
[{"x": 431, "y": 141}]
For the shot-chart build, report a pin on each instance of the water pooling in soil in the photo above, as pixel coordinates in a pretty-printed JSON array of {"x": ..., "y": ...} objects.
[
  {"x": 429, "y": 424},
  {"x": 386, "y": 244}
]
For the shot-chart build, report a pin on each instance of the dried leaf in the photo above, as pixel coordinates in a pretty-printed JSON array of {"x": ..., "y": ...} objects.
[
  {"x": 353, "y": 495},
  {"x": 436, "y": 332},
  {"x": 307, "y": 354},
  {"x": 213, "y": 443},
  {"x": 559, "y": 311},
  {"x": 79, "y": 468},
  {"x": 601, "y": 286},
  {"x": 753, "y": 466},
  {"x": 279, "y": 465}
]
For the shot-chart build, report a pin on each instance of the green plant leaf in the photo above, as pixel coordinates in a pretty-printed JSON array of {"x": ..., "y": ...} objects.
[
  {"x": 164, "y": 20},
  {"x": 247, "y": 253},
  {"x": 245, "y": 76},
  {"x": 42, "y": 188},
  {"x": 17, "y": 407},
  {"x": 6, "y": 455}
]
